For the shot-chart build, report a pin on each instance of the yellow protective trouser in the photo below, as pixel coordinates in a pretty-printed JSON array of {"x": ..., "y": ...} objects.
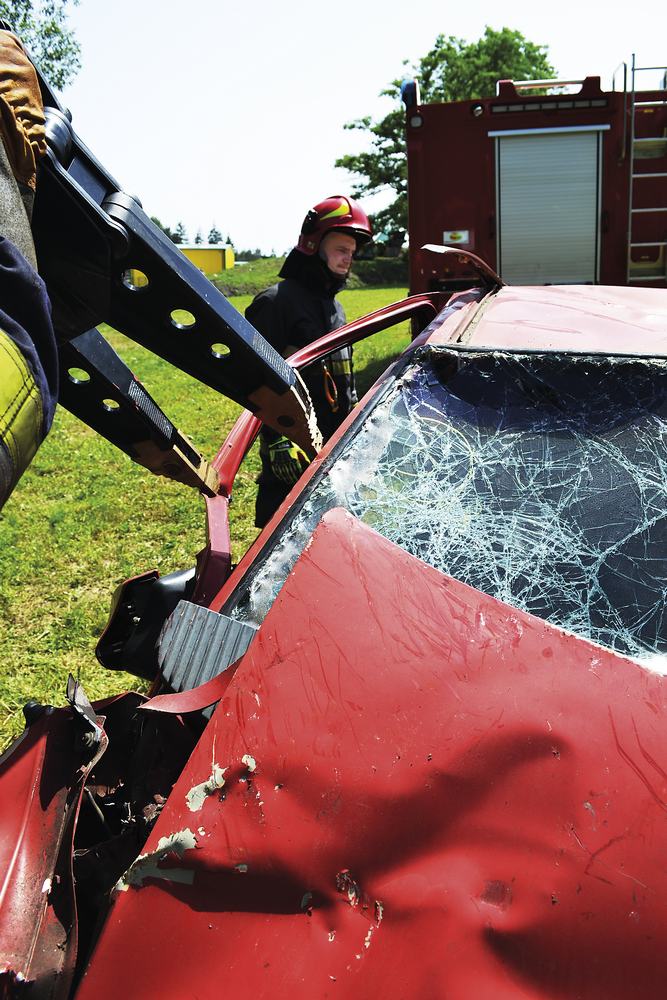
[
  {"x": 21, "y": 416},
  {"x": 22, "y": 143}
]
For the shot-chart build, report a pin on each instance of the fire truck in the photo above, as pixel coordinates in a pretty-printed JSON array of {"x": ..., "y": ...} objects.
[{"x": 546, "y": 186}]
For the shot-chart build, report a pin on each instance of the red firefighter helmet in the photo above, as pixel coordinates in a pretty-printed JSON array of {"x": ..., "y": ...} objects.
[{"x": 335, "y": 213}]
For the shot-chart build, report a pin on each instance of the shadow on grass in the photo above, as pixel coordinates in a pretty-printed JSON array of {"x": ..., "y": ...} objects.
[{"x": 370, "y": 373}]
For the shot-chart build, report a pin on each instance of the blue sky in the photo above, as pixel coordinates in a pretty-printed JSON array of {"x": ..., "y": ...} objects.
[{"x": 234, "y": 113}]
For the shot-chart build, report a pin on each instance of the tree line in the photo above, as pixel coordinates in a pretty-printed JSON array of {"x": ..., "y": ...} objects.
[
  {"x": 180, "y": 234},
  {"x": 452, "y": 70}
]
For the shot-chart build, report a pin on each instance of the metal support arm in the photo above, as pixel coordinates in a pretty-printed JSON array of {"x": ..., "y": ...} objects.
[{"x": 103, "y": 260}]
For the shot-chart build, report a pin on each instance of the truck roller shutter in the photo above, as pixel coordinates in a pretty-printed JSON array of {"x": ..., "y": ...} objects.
[{"x": 548, "y": 197}]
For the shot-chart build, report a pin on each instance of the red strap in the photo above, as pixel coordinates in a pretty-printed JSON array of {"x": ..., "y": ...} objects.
[{"x": 194, "y": 700}]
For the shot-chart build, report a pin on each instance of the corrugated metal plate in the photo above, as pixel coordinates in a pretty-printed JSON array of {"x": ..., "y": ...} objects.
[{"x": 197, "y": 644}]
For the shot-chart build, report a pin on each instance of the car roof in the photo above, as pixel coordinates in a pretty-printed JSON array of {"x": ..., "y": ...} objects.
[{"x": 565, "y": 318}]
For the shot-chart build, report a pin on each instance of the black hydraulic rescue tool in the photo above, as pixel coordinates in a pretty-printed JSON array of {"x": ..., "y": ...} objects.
[{"x": 103, "y": 260}]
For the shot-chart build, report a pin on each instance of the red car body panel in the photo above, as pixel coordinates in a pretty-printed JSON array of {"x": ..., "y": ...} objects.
[
  {"x": 44, "y": 776},
  {"x": 408, "y": 789},
  {"x": 214, "y": 562},
  {"x": 579, "y": 319}
]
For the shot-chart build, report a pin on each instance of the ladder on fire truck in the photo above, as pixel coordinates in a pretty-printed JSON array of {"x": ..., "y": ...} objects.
[{"x": 647, "y": 211}]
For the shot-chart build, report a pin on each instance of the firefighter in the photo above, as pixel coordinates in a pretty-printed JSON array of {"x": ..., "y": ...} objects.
[
  {"x": 28, "y": 356},
  {"x": 295, "y": 312}
]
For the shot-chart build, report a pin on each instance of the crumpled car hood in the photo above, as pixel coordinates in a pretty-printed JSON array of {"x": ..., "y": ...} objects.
[{"x": 409, "y": 789}]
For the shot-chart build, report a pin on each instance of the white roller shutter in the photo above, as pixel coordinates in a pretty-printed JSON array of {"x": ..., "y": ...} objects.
[{"x": 548, "y": 206}]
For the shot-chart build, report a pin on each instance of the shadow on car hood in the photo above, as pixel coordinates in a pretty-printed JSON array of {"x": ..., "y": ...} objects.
[{"x": 408, "y": 789}]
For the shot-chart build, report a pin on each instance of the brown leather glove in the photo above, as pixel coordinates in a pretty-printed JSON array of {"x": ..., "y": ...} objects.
[{"x": 21, "y": 110}]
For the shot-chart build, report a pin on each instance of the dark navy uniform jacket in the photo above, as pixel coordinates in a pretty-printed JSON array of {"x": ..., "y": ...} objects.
[{"x": 292, "y": 314}]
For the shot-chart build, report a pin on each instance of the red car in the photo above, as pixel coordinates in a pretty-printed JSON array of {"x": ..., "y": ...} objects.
[{"x": 414, "y": 744}]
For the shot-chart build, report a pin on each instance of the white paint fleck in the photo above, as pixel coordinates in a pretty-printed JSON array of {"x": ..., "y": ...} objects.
[
  {"x": 197, "y": 795},
  {"x": 256, "y": 697},
  {"x": 332, "y": 935},
  {"x": 201, "y": 831},
  {"x": 249, "y": 762},
  {"x": 146, "y": 865},
  {"x": 589, "y": 808},
  {"x": 46, "y": 886}
]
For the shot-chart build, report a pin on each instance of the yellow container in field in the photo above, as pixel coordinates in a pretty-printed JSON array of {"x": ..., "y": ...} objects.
[{"x": 211, "y": 258}]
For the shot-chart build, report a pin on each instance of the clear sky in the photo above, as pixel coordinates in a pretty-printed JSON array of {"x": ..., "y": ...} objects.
[{"x": 233, "y": 113}]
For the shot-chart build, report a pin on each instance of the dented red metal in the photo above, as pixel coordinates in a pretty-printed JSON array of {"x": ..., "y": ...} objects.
[
  {"x": 43, "y": 778},
  {"x": 449, "y": 797},
  {"x": 408, "y": 788}
]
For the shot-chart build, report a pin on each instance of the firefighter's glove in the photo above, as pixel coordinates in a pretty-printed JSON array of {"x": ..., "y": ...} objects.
[{"x": 287, "y": 460}]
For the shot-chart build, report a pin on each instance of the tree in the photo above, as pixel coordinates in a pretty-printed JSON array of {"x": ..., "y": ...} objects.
[
  {"x": 165, "y": 229},
  {"x": 255, "y": 254},
  {"x": 453, "y": 70},
  {"x": 215, "y": 236},
  {"x": 42, "y": 27},
  {"x": 181, "y": 234},
  {"x": 199, "y": 238}
]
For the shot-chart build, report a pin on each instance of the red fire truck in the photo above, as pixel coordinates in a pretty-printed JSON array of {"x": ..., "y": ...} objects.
[{"x": 547, "y": 187}]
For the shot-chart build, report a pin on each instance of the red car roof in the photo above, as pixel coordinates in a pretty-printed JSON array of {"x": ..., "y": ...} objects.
[{"x": 586, "y": 318}]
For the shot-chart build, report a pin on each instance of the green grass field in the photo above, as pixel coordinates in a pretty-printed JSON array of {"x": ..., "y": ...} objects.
[{"x": 84, "y": 517}]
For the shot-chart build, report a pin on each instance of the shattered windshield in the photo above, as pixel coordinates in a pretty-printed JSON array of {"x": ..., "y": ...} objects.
[{"x": 537, "y": 479}]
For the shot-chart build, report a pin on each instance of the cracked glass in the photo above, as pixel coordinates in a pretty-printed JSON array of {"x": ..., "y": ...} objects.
[{"x": 537, "y": 479}]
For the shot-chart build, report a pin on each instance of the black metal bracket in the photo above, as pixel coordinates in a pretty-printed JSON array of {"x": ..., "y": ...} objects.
[
  {"x": 99, "y": 388},
  {"x": 103, "y": 260}
]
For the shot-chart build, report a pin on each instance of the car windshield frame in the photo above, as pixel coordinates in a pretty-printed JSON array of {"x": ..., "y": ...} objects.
[{"x": 417, "y": 355}]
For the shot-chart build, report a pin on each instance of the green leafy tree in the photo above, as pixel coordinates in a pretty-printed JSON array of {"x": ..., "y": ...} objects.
[
  {"x": 215, "y": 236},
  {"x": 249, "y": 254},
  {"x": 42, "y": 27},
  {"x": 453, "y": 70},
  {"x": 180, "y": 234},
  {"x": 165, "y": 229}
]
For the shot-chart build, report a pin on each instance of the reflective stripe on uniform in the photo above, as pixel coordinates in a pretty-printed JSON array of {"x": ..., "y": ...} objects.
[{"x": 21, "y": 417}]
